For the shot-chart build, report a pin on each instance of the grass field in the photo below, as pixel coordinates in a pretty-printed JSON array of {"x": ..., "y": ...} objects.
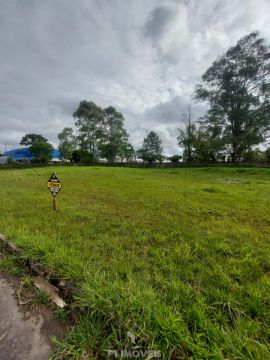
[{"x": 177, "y": 257}]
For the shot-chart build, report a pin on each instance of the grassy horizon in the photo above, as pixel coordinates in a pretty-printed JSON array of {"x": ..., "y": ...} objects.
[{"x": 177, "y": 257}]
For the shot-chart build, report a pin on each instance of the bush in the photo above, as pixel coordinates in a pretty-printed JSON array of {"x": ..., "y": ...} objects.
[
  {"x": 174, "y": 158},
  {"x": 11, "y": 161},
  {"x": 82, "y": 156},
  {"x": 267, "y": 154}
]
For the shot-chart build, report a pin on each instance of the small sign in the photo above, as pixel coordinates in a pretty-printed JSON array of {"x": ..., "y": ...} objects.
[{"x": 54, "y": 185}]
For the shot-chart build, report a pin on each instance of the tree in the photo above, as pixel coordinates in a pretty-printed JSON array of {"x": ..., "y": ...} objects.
[
  {"x": 237, "y": 89},
  {"x": 41, "y": 151},
  {"x": 175, "y": 158},
  {"x": 201, "y": 142},
  {"x": 67, "y": 143},
  {"x": 254, "y": 155},
  {"x": 81, "y": 156},
  {"x": 126, "y": 152},
  {"x": 89, "y": 120},
  {"x": 267, "y": 154},
  {"x": 207, "y": 145},
  {"x": 11, "y": 161},
  {"x": 151, "y": 150},
  {"x": 161, "y": 158},
  {"x": 186, "y": 136},
  {"x": 29, "y": 139},
  {"x": 114, "y": 134}
]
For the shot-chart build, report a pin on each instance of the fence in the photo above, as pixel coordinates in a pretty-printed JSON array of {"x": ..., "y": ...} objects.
[{"x": 263, "y": 164}]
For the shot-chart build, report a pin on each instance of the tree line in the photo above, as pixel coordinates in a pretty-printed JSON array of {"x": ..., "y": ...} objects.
[{"x": 237, "y": 89}]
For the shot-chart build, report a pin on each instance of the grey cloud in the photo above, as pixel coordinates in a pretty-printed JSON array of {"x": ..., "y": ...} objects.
[
  {"x": 165, "y": 118},
  {"x": 169, "y": 112},
  {"x": 157, "y": 22},
  {"x": 144, "y": 57}
]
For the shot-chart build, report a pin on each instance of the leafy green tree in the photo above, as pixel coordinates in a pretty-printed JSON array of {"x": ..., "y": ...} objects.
[
  {"x": 237, "y": 89},
  {"x": 202, "y": 147},
  {"x": 151, "y": 150},
  {"x": 89, "y": 120},
  {"x": 267, "y": 154},
  {"x": 161, "y": 158},
  {"x": 41, "y": 151},
  {"x": 175, "y": 158},
  {"x": 67, "y": 143},
  {"x": 114, "y": 134},
  {"x": 254, "y": 155},
  {"x": 11, "y": 161},
  {"x": 126, "y": 152},
  {"x": 207, "y": 145},
  {"x": 81, "y": 156},
  {"x": 29, "y": 139},
  {"x": 201, "y": 142}
]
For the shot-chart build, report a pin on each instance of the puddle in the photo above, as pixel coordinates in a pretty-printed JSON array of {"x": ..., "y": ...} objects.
[{"x": 231, "y": 181}]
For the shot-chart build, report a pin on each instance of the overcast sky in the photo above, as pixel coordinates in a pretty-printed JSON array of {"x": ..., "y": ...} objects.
[{"x": 141, "y": 56}]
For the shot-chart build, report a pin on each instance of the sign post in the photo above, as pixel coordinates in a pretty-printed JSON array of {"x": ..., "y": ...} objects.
[
  {"x": 54, "y": 203},
  {"x": 54, "y": 186}
]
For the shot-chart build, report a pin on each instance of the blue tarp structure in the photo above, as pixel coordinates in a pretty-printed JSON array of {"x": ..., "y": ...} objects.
[
  {"x": 19, "y": 154},
  {"x": 56, "y": 154},
  {"x": 24, "y": 154}
]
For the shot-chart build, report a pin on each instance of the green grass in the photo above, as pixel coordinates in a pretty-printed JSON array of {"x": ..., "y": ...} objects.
[{"x": 175, "y": 256}]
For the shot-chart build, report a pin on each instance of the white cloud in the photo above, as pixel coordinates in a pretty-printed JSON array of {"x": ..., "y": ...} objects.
[{"x": 142, "y": 56}]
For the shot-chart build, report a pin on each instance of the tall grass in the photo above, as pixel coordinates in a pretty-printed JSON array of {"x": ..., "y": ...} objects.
[{"x": 175, "y": 256}]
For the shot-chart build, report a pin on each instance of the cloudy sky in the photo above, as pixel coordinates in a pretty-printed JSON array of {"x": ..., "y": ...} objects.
[{"x": 142, "y": 56}]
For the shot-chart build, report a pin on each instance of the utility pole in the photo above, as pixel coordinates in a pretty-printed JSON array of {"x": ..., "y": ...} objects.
[{"x": 189, "y": 134}]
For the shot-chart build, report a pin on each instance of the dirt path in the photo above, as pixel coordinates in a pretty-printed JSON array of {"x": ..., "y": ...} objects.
[{"x": 24, "y": 334}]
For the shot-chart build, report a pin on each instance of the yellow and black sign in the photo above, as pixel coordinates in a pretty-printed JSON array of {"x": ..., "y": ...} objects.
[{"x": 54, "y": 184}]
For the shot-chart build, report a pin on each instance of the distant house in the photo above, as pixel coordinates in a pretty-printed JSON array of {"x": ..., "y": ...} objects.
[
  {"x": 23, "y": 154},
  {"x": 3, "y": 160}
]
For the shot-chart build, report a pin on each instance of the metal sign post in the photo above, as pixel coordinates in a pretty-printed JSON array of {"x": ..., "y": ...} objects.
[
  {"x": 54, "y": 185},
  {"x": 54, "y": 203}
]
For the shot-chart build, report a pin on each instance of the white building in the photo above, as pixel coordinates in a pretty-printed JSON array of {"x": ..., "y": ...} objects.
[{"x": 3, "y": 160}]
